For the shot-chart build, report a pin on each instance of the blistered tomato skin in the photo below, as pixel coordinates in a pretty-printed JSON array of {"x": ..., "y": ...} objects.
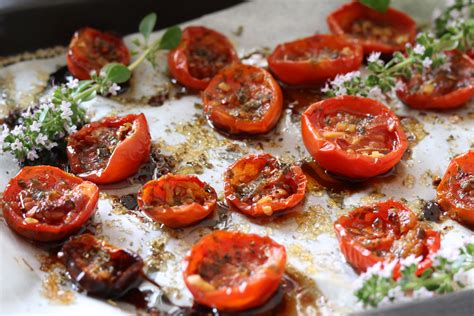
[
  {"x": 243, "y": 99},
  {"x": 377, "y": 32},
  {"x": 234, "y": 271},
  {"x": 99, "y": 268},
  {"x": 111, "y": 149},
  {"x": 353, "y": 136},
  {"x": 384, "y": 231},
  {"x": 199, "y": 57},
  {"x": 177, "y": 200},
  {"x": 44, "y": 203},
  {"x": 313, "y": 60},
  {"x": 442, "y": 89},
  {"x": 91, "y": 49},
  {"x": 455, "y": 193},
  {"x": 259, "y": 185}
]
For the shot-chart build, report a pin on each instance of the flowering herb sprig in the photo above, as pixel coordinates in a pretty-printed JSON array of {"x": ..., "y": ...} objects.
[
  {"x": 43, "y": 127},
  {"x": 448, "y": 273}
]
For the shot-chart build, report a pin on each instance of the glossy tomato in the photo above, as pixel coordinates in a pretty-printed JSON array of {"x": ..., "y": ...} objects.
[
  {"x": 315, "y": 59},
  {"x": 177, "y": 200},
  {"x": 233, "y": 271},
  {"x": 260, "y": 185},
  {"x": 199, "y": 57},
  {"x": 353, "y": 136},
  {"x": 100, "y": 268},
  {"x": 91, "y": 49},
  {"x": 243, "y": 99},
  {"x": 455, "y": 193},
  {"x": 443, "y": 88},
  {"x": 384, "y": 231},
  {"x": 111, "y": 149},
  {"x": 377, "y": 32},
  {"x": 44, "y": 203}
]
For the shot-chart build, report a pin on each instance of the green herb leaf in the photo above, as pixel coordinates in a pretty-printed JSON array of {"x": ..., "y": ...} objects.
[
  {"x": 116, "y": 72},
  {"x": 377, "y": 5},
  {"x": 147, "y": 25},
  {"x": 171, "y": 38}
]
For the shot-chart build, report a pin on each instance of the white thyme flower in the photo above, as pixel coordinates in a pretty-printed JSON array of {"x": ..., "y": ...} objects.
[
  {"x": 72, "y": 83},
  {"x": 399, "y": 85},
  {"x": 436, "y": 13},
  {"x": 326, "y": 88},
  {"x": 32, "y": 155},
  {"x": 42, "y": 139},
  {"x": 410, "y": 260},
  {"x": 374, "y": 57},
  {"x": 114, "y": 88},
  {"x": 376, "y": 93},
  {"x": 422, "y": 292},
  {"x": 454, "y": 14},
  {"x": 17, "y": 145},
  {"x": 419, "y": 49},
  {"x": 35, "y": 126},
  {"x": 70, "y": 129},
  {"x": 18, "y": 130},
  {"x": 66, "y": 111},
  {"x": 51, "y": 145},
  {"x": 427, "y": 62}
]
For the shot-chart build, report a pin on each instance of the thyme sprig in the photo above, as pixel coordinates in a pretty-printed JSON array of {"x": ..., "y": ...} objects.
[{"x": 42, "y": 127}]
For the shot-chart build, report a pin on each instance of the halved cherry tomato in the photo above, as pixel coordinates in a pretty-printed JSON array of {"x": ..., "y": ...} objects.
[
  {"x": 443, "y": 88},
  {"x": 314, "y": 59},
  {"x": 44, "y": 203},
  {"x": 177, "y": 200},
  {"x": 243, "y": 99},
  {"x": 377, "y": 32},
  {"x": 455, "y": 193},
  {"x": 260, "y": 185},
  {"x": 384, "y": 231},
  {"x": 100, "y": 268},
  {"x": 91, "y": 49},
  {"x": 199, "y": 57},
  {"x": 233, "y": 271},
  {"x": 111, "y": 149},
  {"x": 353, "y": 136}
]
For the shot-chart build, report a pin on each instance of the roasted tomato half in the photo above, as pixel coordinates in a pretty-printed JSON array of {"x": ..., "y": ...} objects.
[
  {"x": 233, "y": 271},
  {"x": 447, "y": 87},
  {"x": 100, "y": 268},
  {"x": 111, "y": 149},
  {"x": 353, "y": 136},
  {"x": 315, "y": 59},
  {"x": 243, "y": 99},
  {"x": 44, "y": 203},
  {"x": 91, "y": 49},
  {"x": 260, "y": 185},
  {"x": 177, "y": 200},
  {"x": 384, "y": 231},
  {"x": 199, "y": 57},
  {"x": 455, "y": 193},
  {"x": 377, "y": 32}
]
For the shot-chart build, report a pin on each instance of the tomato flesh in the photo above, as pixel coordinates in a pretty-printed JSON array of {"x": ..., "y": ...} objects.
[
  {"x": 44, "y": 203},
  {"x": 377, "y": 31},
  {"x": 233, "y": 271}
]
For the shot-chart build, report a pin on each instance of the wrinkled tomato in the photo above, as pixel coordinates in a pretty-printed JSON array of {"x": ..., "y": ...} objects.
[
  {"x": 44, "y": 203},
  {"x": 377, "y": 32},
  {"x": 177, "y": 200},
  {"x": 260, "y": 185},
  {"x": 353, "y": 136},
  {"x": 234, "y": 271},
  {"x": 384, "y": 231},
  {"x": 99, "y": 268},
  {"x": 455, "y": 193},
  {"x": 315, "y": 59},
  {"x": 111, "y": 149},
  {"x": 447, "y": 87},
  {"x": 91, "y": 49},
  {"x": 243, "y": 99},
  {"x": 200, "y": 55}
]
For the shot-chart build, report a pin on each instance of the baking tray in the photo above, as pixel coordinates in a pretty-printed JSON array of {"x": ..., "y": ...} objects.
[{"x": 312, "y": 248}]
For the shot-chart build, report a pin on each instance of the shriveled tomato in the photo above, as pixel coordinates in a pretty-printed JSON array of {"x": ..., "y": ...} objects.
[
  {"x": 91, "y": 49},
  {"x": 315, "y": 59},
  {"x": 377, "y": 32},
  {"x": 177, "y": 200},
  {"x": 260, "y": 185},
  {"x": 243, "y": 99},
  {"x": 100, "y": 268},
  {"x": 384, "y": 231},
  {"x": 234, "y": 271},
  {"x": 353, "y": 136},
  {"x": 199, "y": 57},
  {"x": 44, "y": 203},
  {"x": 455, "y": 193},
  {"x": 447, "y": 87},
  {"x": 111, "y": 149}
]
